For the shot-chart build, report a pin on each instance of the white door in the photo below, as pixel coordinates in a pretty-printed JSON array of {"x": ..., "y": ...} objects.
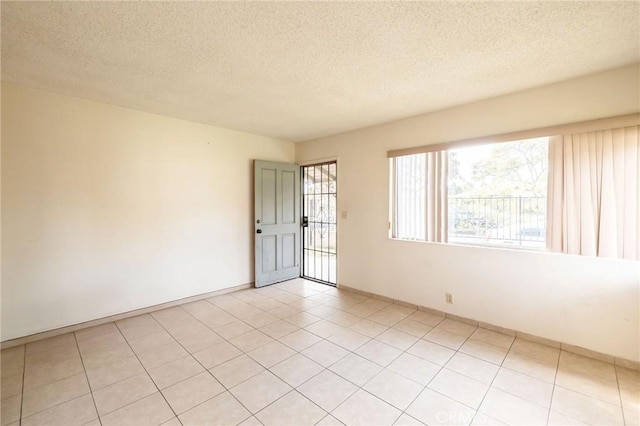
[{"x": 276, "y": 222}]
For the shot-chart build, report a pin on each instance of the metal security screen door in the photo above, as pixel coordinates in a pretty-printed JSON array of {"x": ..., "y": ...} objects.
[{"x": 319, "y": 232}]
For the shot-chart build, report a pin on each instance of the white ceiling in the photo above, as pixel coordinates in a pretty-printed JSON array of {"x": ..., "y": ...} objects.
[{"x": 299, "y": 71}]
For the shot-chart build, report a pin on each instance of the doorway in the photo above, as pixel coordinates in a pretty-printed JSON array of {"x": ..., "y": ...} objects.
[{"x": 319, "y": 222}]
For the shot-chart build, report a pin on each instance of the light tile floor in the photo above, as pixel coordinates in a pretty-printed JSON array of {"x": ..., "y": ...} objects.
[{"x": 301, "y": 353}]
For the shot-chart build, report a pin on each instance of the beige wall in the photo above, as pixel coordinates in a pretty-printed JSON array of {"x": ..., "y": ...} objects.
[
  {"x": 107, "y": 209},
  {"x": 589, "y": 302}
]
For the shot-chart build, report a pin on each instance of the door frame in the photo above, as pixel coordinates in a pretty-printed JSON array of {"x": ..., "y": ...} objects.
[{"x": 318, "y": 162}]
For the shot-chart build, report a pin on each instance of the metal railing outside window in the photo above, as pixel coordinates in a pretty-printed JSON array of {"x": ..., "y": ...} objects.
[{"x": 506, "y": 221}]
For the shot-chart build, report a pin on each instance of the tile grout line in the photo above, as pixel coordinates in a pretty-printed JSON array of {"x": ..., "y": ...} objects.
[
  {"x": 136, "y": 355},
  {"x": 67, "y": 377},
  {"x": 554, "y": 384},
  {"x": 320, "y": 304},
  {"x": 500, "y": 366},
  {"x": 242, "y": 334},
  {"x": 228, "y": 341},
  {"x": 585, "y": 394},
  {"x": 553, "y": 389},
  {"x": 406, "y": 352},
  {"x": 52, "y": 383},
  {"x": 205, "y": 368},
  {"x": 299, "y": 393},
  {"x": 293, "y": 389},
  {"x": 347, "y": 328},
  {"x": 245, "y": 353},
  {"x": 624, "y": 418},
  {"x": 24, "y": 371},
  {"x": 528, "y": 358},
  {"x": 75, "y": 339},
  {"x": 441, "y": 368},
  {"x": 388, "y": 327},
  {"x": 84, "y": 368},
  {"x": 402, "y": 411},
  {"x": 49, "y": 384},
  {"x": 148, "y": 375},
  {"x": 383, "y": 367},
  {"x": 494, "y": 379},
  {"x": 223, "y": 338}
]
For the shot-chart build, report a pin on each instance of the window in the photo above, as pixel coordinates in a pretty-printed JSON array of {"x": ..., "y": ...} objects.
[
  {"x": 410, "y": 201},
  {"x": 485, "y": 195},
  {"x": 571, "y": 188}
]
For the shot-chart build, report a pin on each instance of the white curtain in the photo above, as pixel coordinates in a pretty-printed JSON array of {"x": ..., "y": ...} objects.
[
  {"x": 594, "y": 194},
  {"x": 437, "y": 196}
]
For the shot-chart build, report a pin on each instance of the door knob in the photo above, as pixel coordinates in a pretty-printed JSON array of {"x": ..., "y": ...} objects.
[{"x": 259, "y": 231}]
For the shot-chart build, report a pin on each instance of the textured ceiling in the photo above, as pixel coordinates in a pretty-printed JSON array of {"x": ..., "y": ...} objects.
[{"x": 298, "y": 71}]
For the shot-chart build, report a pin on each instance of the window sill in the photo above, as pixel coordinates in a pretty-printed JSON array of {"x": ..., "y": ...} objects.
[{"x": 479, "y": 245}]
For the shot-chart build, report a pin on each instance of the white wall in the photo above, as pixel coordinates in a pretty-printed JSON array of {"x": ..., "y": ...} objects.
[
  {"x": 107, "y": 209},
  {"x": 589, "y": 302}
]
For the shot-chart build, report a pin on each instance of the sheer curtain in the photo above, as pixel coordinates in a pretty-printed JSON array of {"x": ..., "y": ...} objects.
[{"x": 593, "y": 193}]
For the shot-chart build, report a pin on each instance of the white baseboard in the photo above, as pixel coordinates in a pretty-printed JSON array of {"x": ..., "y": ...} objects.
[
  {"x": 99, "y": 321},
  {"x": 635, "y": 365}
]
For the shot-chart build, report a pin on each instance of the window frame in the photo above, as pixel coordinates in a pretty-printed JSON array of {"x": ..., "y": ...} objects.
[{"x": 393, "y": 207}]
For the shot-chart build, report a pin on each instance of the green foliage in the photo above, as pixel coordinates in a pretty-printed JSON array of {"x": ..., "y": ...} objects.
[
  {"x": 457, "y": 184},
  {"x": 514, "y": 169}
]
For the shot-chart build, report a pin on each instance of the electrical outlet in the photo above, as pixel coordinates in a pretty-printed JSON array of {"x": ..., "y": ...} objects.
[{"x": 449, "y": 298}]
